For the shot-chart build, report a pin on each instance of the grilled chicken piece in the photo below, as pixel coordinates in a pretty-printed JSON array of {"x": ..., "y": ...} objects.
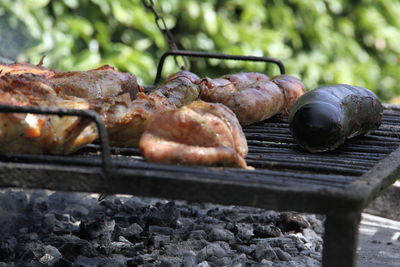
[
  {"x": 25, "y": 68},
  {"x": 126, "y": 120},
  {"x": 253, "y": 97},
  {"x": 33, "y": 133},
  {"x": 101, "y": 82},
  {"x": 197, "y": 134}
]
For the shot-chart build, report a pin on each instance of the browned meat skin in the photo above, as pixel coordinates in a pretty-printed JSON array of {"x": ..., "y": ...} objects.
[
  {"x": 24, "y": 68},
  {"x": 242, "y": 80},
  {"x": 101, "y": 82},
  {"x": 197, "y": 134},
  {"x": 126, "y": 120},
  {"x": 291, "y": 87},
  {"x": 252, "y": 96},
  {"x": 31, "y": 133},
  {"x": 179, "y": 88}
]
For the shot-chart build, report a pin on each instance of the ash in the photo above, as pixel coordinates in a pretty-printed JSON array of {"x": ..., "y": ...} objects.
[{"x": 42, "y": 228}]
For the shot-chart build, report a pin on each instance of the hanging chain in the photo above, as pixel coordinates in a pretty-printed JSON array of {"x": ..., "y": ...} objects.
[{"x": 162, "y": 26}]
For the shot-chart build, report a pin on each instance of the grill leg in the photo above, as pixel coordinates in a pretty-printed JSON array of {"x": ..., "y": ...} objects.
[{"x": 341, "y": 239}]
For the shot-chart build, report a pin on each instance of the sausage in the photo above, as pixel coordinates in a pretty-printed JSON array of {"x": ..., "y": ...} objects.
[
  {"x": 323, "y": 118},
  {"x": 253, "y": 97}
]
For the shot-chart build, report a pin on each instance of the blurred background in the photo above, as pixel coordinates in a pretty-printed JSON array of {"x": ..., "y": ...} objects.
[{"x": 321, "y": 42}]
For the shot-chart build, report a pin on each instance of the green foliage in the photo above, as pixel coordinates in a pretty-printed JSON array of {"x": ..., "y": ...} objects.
[{"x": 322, "y": 42}]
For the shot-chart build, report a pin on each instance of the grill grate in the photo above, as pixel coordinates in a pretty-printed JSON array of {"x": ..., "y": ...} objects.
[{"x": 272, "y": 151}]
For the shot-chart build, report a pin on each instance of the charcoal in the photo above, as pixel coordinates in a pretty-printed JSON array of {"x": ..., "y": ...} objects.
[
  {"x": 197, "y": 244},
  {"x": 243, "y": 248},
  {"x": 170, "y": 261},
  {"x": 189, "y": 259},
  {"x": 162, "y": 215},
  {"x": 239, "y": 260},
  {"x": 135, "y": 261},
  {"x": 73, "y": 229},
  {"x": 203, "y": 264},
  {"x": 63, "y": 263},
  {"x": 76, "y": 247},
  {"x": 264, "y": 251},
  {"x": 217, "y": 234},
  {"x": 7, "y": 248},
  {"x": 282, "y": 255},
  {"x": 210, "y": 220},
  {"x": 26, "y": 258},
  {"x": 198, "y": 235},
  {"x": 187, "y": 211},
  {"x": 99, "y": 261},
  {"x": 312, "y": 238},
  {"x": 40, "y": 204},
  {"x": 132, "y": 231},
  {"x": 51, "y": 255},
  {"x": 266, "y": 263},
  {"x": 96, "y": 228},
  {"x": 161, "y": 240},
  {"x": 212, "y": 250},
  {"x": 78, "y": 211},
  {"x": 161, "y": 230},
  {"x": 244, "y": 232},
  {"x": 177, "y": 250},
  {"x": 293, "y": 222},
  {"x": 316, "y": 222},
  {"x": 12, "y": 207},
  {"x": 264, "y": 231}
]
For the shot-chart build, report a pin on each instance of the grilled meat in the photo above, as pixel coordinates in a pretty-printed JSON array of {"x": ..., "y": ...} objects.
[
  {"x": 197, "y": 134},
  {"x": 126, "y": 120},
  {"x": 101, "y": 82},
  {"x": 292, "y": 88},
  {"x": 33, "y": 133},
  {"x": 26, "y": 68},
  {"x": 253, "y": 97}
]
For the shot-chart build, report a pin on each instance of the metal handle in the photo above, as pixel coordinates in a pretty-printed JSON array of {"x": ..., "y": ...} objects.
[
  {"x": 105, "y": 147},
  {"x": 214, "y": 55}
]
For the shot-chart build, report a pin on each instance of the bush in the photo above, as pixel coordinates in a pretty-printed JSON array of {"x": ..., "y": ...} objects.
[{"x": 322, "y": 42}]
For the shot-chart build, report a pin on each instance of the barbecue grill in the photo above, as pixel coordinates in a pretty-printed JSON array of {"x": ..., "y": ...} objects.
[{"x": 338, "y": 184}]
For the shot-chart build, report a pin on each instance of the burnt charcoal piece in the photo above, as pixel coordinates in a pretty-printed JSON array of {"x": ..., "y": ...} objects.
[
  {"x": 264, "y": 231},
  {"x": 154, "y": 233},
  {"x": 217, "y": 234},
  {"x": 293, "y": 222},
  {"x": 323, "y": 118},
  {"x": 135, "y": 261},
  {"x": 265, "y": 251},
  {"x": 75, "y": 247},
  {"x": 162, "y": 215},
  {"x": 7, "y": 248}
]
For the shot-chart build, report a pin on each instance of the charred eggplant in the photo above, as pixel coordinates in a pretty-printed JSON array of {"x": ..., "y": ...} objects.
[{"x": 323, "y": 118}]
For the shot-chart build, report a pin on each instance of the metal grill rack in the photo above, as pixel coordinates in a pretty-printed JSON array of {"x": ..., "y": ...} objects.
[{"x": 338, "y": 184}]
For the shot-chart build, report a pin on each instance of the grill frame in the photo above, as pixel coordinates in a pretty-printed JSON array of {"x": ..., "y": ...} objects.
[
  {"x": 219, "y": 185},
  {"x": 342, "y": 205}
]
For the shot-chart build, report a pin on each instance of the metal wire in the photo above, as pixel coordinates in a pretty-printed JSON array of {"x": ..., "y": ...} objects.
[
  {"x": 198, "y": 54},
  {"x": 162, "y": 26}
]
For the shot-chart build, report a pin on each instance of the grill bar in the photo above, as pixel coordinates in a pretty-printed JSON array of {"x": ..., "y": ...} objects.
[
  {"x": 105, "y": 147},
  {"x": 216, "y": 56}
]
